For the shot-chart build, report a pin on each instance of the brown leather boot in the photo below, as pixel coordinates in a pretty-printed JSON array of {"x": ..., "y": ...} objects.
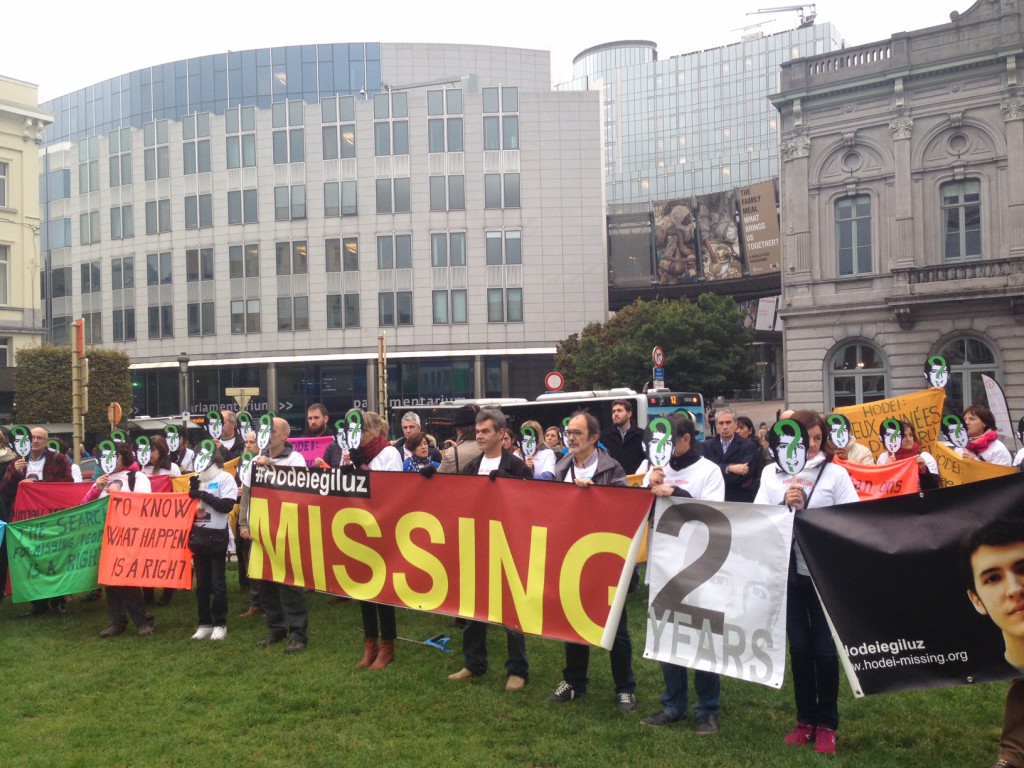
[
  {"x": 370, "y": 648},
  {"x": 386, "y": 654}
]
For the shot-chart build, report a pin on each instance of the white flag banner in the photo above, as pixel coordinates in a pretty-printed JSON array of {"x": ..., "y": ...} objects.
[
  {"x": 997, "y": 404},
  {"x": 718, "y": 574}
]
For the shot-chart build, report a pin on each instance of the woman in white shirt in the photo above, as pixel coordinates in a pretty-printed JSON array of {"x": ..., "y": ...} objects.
[
  {"x": 216, "y": 492},
  {"x": 983, "y": 443},
  {"x": 910, "y": 448}
]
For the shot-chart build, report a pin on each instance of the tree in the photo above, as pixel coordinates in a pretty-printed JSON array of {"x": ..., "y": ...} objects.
[
  {"x": 42, "y": 385},
  {"x": 704, "y": 341}
]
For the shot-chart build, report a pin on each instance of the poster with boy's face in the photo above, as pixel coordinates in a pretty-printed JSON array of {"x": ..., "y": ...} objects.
[
  {"x": 173, "y": 438},
  {"x": 341, "y": 434},
  {"x": 22, "y": 440},
  {"x": 658, "y": 438},
  {"x": 936, "y": 371},
  {"x": 143, "y": 451},
  {"x": 214, "y": 424},
  {"x": 205, "y": 455},
  {"x": 355, "y": 428},
  {"x": 788, "y": 441},
  {"x": 840, "y": 430},
  {"x": 263, "y": 433},
  {"x": 108, "y": 456},
  {"x": 954, "y": 431},
  {"x": 529, "y": 441},
  {"x": 890, "y": 432}
]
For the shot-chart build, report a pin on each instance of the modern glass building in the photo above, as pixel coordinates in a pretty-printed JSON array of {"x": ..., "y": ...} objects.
[{"x": 261, "y": 217}]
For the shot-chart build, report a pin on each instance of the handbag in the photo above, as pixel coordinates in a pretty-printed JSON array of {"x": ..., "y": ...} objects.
[{"x": 208, "y": 541}]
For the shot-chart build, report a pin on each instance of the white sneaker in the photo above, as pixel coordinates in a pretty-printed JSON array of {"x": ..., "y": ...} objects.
[
  {"x": 219, "y": 633},
  {"x": 203, "y": 632}
]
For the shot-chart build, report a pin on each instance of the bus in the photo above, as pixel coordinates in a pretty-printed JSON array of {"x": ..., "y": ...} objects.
[{"x": 552, "y": 408}]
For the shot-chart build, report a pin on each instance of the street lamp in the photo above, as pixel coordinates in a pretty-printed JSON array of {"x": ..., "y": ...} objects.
[
  {"x": 763, "y": 366},
  {"x": 183, "y": 362}
]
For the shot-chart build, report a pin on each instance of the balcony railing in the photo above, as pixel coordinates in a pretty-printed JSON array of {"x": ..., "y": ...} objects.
[{"x": 968, "y": 270}]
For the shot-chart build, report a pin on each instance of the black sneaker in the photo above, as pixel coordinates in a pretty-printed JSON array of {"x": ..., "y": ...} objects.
[
  {"x": 295, "y": 646},
  {"x": 707, "y": 725},
  {"x": 269, "y": 640},
  {"x": 659, "y": 718},
  {"x": 563, "y": 693},
  {"x": 626, "y": 701}
]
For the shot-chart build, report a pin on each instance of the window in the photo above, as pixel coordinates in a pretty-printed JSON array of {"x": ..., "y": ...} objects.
[
  {"x": 857, "y": 374},
  {"x": 161, "y": 322},
  {"x": 124, "y": 324},
  {"x": 968, "y": 357},
  {"x": 449, "y": 307},
  {"x": 447, "y": 193},
  {"x": 245, "y": 316},
  {"x": 90, "y": 277},
  {"x": 60, "y": 329},
  {"x": 290, "y": 202},
  {"x": 157, "y": 154},
  {"x": 343, "y": 310},
  {"x": 122, "y": 273},
  {"x": 394, "y": 252},
  {"x": 122, "y": 222},
  {"x": 289, "y": 135},
  {"x": 340, "y": 198},
  {"x": 56, "y": 185},
  {"x": 198, "y": 264},
  {"x": 393, "y": 195},
  {"x": 5, "y": 274},
  {"x": 88, "y": 165},
  {"x": 195, "y": 131},
  {"x": 244, "y": 260},
  {"x": 89, "y": 227},
  {"x": 291, "y": 258},
  {"x": 122, "y": 277},
  {"x": 394, "y": 308},
  {"x": 448, "y": 249},
  {"x": 504, "y": 305},
  {"x": 293, "y": 313},
  {"x": 504, "y": 248},
  {"x": 198, "y": 211},
  {"x": 240, "y": 126},
  {"x": 390, "y": 136},
  {"x": 342, "y": 254},
  {"x": 243, "y": 206},
  {"x": 93, "y": 328},
  {"x": 961, "y": 220},
  {"x": 201, "y": 319},
  {"x": 5, "y": 351},
  {"x": 57, "y": 234},
  {"x": 119, "y": 145},
  {"x": 158, "y": 216},
  {"x": 501, "y": 129},
  {"x": 4, "y": 170},
  {"x": 158, "y": 268},
  {"x": 339, "y": 130},
  {"x": 853, "y": 235},
  {"x": 60, "y": 282}
]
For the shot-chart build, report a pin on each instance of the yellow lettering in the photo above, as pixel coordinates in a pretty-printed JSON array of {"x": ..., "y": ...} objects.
[
  {"x": 284, "y": 544},
  {"x": 467, "y": 566},
  {"x": 528, "y": 600},
  {"x": 420, "y": 558},
  {"x": 259, "y": 515},
  {"x": 358, "y": 552},
  {"x": 316, "y": 548},
  {"x": 572, "y": 574}
]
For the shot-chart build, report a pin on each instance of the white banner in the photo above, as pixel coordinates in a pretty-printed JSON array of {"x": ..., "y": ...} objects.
[
  {"x": 997, "y": 404},
  {"x": 718, "y": 574}
]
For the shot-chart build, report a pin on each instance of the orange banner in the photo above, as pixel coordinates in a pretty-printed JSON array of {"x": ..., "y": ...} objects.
[
  {"x": 879, "y": 481},
  {"x": 923, "y": 409},
  {"x": 956, "y": 470},
  {"x": 145, "y": 540}
]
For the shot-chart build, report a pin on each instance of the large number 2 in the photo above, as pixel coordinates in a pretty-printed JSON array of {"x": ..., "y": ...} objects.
[{"x": 671, "y": 596}]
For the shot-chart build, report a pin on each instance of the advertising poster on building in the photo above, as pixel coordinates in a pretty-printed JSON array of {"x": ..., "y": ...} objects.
[
  {"x": 760, "y": 223},
  {"x": 675, "y": 242},
  {"x": 895, "y": 587},
  {"x": 767, "y": 313},
  {"x": 719, "y": 236},
  {"x": 629, "y": 250}
]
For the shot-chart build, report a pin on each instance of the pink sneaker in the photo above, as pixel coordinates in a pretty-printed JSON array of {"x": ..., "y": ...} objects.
[
  {"x": 825, "y": 741},
  {"x": 800, "y": 736}
]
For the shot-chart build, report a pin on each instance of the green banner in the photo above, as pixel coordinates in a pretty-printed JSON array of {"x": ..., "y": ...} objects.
[{"x": 56, "y": 554}]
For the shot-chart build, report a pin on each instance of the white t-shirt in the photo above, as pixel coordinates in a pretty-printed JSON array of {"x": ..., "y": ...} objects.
[
  {"x": 488, "y": 465},
  {"x": 543, "y": 461},
  {"x": 388, "y": 460},
  {"x": 219, "y": 483},
  {"x": 35, "y": 467},
  {"x": 702, "y": 480},
  {"x": 1018, "y": 458},
  {"x": 584, "y": 473}
]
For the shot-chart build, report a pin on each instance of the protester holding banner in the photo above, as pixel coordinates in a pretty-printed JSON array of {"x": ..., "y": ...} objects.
[
  {"x": 690, "y": 475},
  {"x": 910, "y": 448},
  {"x": 160, "y": 462},
  {"x": 419, "y": 449},
  {"x": 7, "y": 456},
  {"x": 813, "y": 657},
  {"x": 216, "y": 493},
  {"x": 584, "y": 466},
  {"x": 123, "y": 602},
  {"x": 983, "y": 444}
]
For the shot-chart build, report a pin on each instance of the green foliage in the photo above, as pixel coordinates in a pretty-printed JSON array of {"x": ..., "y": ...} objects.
[
  {"x": 704, "y": 341},
  {"x": 43, "y": 385}
]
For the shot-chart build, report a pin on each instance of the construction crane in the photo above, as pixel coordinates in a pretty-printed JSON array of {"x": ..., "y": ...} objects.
[{"x": 808, "y": 13}]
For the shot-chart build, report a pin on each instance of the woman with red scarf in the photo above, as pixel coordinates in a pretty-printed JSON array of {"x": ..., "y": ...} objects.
[
  {"x": 910, "y": 448},
  {"x": 375, "y": 453},
  {"x": 984, "y": 442}
]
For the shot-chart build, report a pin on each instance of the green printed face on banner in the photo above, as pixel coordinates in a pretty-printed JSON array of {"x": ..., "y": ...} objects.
[
  {"x": 244, "y": 423},
  {"x": 263, "y": 433},
  {"x": 954, "y": 431},
  {"x": 173, "y": 437},
  {"x": 890, "y": 432},
  {"x": 143, "y": 451},
  {"x": 21, "y": 440},
  {"x": 658, "y": 437},
  {"x": 214, "y": 424},
  {"x": 341, "y": 434},
  {"x": 108, "y": 456},
  {"x": 530, "y": 439},
  {"x": 57, "y": 554},
  {"x": 936, "y": 371},
  {"x": 354, "y": 419},
  {"x": 840, "y": 430},
  {"x": 788, "y": 442},
  {"x": 205, "y": 455}
]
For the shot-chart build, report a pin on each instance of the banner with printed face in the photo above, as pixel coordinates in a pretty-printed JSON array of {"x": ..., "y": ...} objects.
[
  {"x": 145, "y": 541},
  {"x": 718, "y": 576},
  {"x": 311, "y": 448},
  {"x": 548, "y": 559},
  {"x": 878, "y": 481},
  {"x": 56, "y": 554},
  {"x": 922, "y": 409},
  {"x": 956, "y": 470},
  {"x": 37, "y": 498},
  {"x": 893, "y": 583}
]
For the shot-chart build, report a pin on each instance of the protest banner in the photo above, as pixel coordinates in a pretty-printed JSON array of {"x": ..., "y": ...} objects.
[
  {"x": 889, "y": 576},
  {"x": 548, "y": 559},
  {"x": 956, "y": 470},
  {"x": 922, "y": 409},
  {"x": 145, "y": 541},
  {"x": 877, "y": 481},
  {"x": 56, "y": 554},
  {"x": 37, "y": 499},
  {"x": 161, "y": 484},
  {"x": 718, "y": 575},
  {"x": 311, "y": 448},
  {"x": 180, "y": 484}
]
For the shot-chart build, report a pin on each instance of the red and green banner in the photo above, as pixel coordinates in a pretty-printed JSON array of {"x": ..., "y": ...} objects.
[
  {"x": 56, "y": 554},
  {"x": 145, "y": 541},
  {"x": 879, "y": 481},
  {"x": 548, "y": 559},
  {"x": 35, "y": 499}
]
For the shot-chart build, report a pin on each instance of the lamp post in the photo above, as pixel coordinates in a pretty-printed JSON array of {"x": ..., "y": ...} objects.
[
  {"x": 763, "y": 367},
  {"x": 183, "y": 361}
]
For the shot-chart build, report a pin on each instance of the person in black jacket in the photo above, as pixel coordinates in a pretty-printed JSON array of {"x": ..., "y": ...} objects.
[
  {"x": 493, "y": 462},
  {"x": 734, "y": 455},
  {"x": 623, "y": 440}
]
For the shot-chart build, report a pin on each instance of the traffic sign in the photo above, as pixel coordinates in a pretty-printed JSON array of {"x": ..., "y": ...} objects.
[
  {"x": 554, "y": 381},
  {"x": 659, "y": 374},
  {"x": 658, "y": 356}
]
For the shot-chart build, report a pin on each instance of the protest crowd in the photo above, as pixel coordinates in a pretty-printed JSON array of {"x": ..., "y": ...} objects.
[{"x": 804, "y": 461}]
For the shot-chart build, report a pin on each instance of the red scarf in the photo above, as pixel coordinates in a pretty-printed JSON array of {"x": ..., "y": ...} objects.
[
  {"x": 372, "y": 448},
  {"x": 981, "y": 443},
  {"x": 908, "y": 453}
]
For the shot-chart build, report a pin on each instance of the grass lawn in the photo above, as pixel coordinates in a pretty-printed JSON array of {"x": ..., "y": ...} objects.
[{"x": 68, "y": 698}]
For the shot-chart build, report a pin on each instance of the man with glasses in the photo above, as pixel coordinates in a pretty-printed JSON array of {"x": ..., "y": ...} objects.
[{"x": 43, "y": 465}]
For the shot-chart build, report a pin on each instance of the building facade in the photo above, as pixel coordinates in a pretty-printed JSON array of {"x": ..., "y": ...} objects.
[
  {"x": 267, "y": 214},
  {"x": 903, "y": 213},
  {"x": 21, "y": 316}
]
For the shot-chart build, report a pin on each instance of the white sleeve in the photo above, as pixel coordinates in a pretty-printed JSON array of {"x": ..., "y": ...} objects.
[{"x": 543, "y": 461}]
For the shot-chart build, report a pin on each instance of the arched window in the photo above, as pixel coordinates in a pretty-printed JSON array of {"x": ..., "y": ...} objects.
[
  {"x": 968, "y": 358},
  {"x": 857, "y": 374}
]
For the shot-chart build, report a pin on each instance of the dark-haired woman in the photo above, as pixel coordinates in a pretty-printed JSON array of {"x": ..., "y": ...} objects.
[
  {"x": 911, "y": 449},
  {"x": 419, "y": 446},
  {"x": 216, "y": 492},
  {"x": 983, "y": 443}
]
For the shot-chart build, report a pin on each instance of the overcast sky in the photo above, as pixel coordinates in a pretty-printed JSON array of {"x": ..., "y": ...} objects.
[{"x": 64, "y": 45}]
